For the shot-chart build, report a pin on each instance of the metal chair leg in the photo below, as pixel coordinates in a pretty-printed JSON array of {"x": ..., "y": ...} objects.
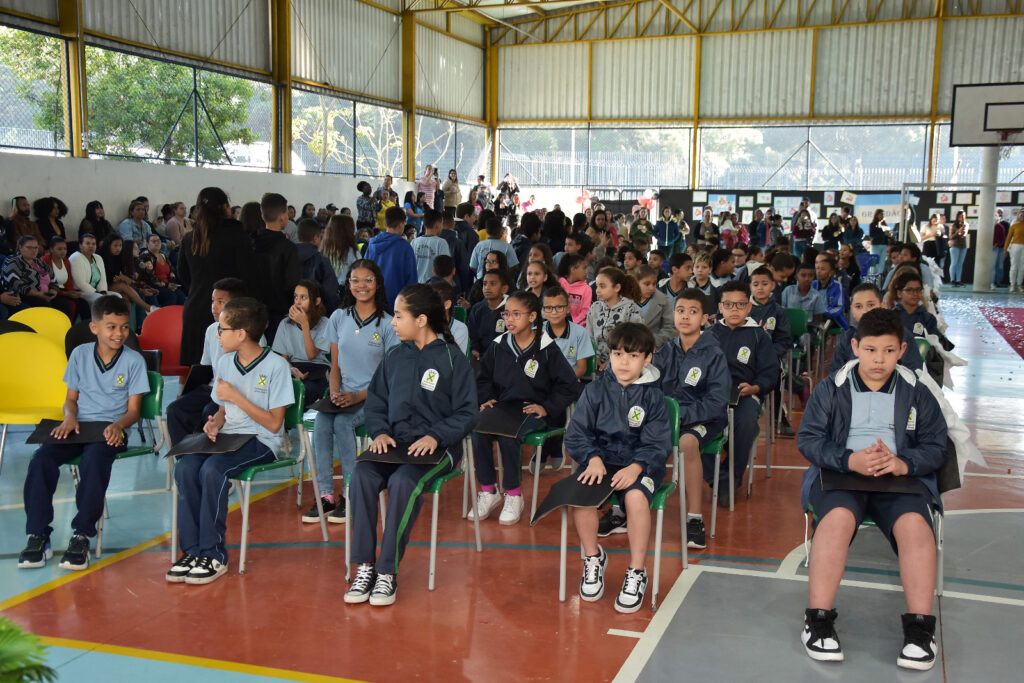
[
  {"x": 732, "y": 460},
  {"x": 433, "y": 542},
  {"x": 306, "y": 454},
  {"x": 680, "y": 478},
  {"x": 245, "y": 526},
  {"x": 536, "y": 481},
  {"x": 348, "y": 536},
  {"x": 659, "y": 526},
  {"x": 471, "y": 476},
  {"x": 562, "y": 552},
  {"x": 807, "y": 544},
  {"x": 714, "y": 493},
  {"x": 99, "y": 531},
  {"x": 174, "y": 521}
]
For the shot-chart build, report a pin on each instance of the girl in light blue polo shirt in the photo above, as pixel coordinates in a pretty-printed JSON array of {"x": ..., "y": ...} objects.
[
  {"x": 359, "y": 333},
  {"x": 302, "y": 339}
]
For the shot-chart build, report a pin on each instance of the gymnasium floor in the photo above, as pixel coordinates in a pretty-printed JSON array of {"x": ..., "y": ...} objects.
[{"x": 734, "y": 615}]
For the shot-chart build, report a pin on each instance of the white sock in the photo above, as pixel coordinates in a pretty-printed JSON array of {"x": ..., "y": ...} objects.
[{"x": 690, "y": 516}]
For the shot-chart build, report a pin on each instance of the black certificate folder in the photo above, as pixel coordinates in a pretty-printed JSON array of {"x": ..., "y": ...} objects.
[
  {"x": 399, "y": 455},
  {"x": 88, "y": 432},
  {"x": 200, "y": 443},
  {"x": 572, "y": 492},
  {"x": 504, "y": 418}
]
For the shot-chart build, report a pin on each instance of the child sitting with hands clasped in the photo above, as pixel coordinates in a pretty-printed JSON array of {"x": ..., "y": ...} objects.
[{"x": 302, "y": 339}]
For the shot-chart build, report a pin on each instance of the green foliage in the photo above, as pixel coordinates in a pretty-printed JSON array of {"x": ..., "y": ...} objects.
[
  {"x": 35, "y": 62},
  {"x": 22, "y": 656}
]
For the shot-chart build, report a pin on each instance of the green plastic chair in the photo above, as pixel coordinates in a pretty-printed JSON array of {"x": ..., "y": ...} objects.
[
  {"x": 798, "y": 326},
  {"x": 923, "y": 346},
  {"x": 459, "y": 313}
]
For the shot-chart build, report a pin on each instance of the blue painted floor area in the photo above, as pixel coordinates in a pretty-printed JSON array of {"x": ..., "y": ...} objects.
[{"x": 84, "y": 666}]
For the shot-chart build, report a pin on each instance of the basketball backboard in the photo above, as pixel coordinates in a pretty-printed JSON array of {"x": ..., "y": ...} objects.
[{"x": 987, "y": 115}]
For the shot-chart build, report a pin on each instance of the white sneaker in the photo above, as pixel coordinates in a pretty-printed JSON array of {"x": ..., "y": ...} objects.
[
  {"x": 486, "y": 503},
  {"x": 631, "y": 597},
  {"x": 592, "y": 583},
  {"x": 511, "y": 511}
]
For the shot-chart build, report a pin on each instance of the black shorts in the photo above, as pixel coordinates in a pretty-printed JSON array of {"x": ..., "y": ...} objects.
[
  {"x": 705, "y": 433},
  {"x": 883, "y": 508},
  {"x": 645, "y": 484}
]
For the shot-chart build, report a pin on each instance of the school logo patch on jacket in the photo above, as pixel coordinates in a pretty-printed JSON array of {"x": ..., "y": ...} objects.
[
  {"x": 499, "y": 326},
  {"x": 693, "y": 376},
  {"x": 120, "y": 380},
  {"x": 429, "y": 379},
  {"x": 635, "y": 417},
  {"x": 769, "y": 324},
  {"x": 912, "y": 420},
  {"x": 531, "y": 368},
  {"x": 919, "y": 329},
  {"x": 376, "y": 340},
  {"x": 743, "y": 355},
  {"x": 261, "y": 383}
]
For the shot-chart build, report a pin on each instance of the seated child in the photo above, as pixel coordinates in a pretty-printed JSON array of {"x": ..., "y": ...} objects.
[
  {"x": 435, "y": 413},
  {"x": 301, "y": 339},
  {"x": 840, "y": 431},
  {"x": 831, "y": 290},
  {"x": 458, "y": 328},
  {"x": 620, "y": 430},
  {"x": 443, "y": 270},
  {"x": 655, "y": 306},
  {"x": 909, "y": 307},
  {"x": 783, "y": 268},
  {"x": 617, "y": 294},
  {"x": 523, "y": 364},
  {"x": 803, "y": 295},
  {"x": 681, "y": 268},
  {"x": 572, "y": 273},
  {"x": 772, "y": 318},
  {"x": 485, "y": 320},
  {"x": 253, "y": 387},
  {"x": 106, "y": 382},
  {"x": 754, "y": 368},
  {"x": 695, "y": 373},
  {"x": 865, "y": 297}
]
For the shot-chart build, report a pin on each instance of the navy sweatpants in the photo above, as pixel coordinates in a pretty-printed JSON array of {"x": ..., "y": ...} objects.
[
  {"x": 41, "y": 483},
  {"x": 509, "y": 449}
]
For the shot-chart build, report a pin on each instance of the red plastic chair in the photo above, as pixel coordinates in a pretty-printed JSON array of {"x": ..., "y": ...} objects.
[{"x": 162, "y": 330}]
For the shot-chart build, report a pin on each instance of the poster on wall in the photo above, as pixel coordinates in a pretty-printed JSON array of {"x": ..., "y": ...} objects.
[
  {"x": 944, "y": 198},
  {"x": 830, "y": 198},
  {"x": 964, "y": 197},
  {"x": 831, "y": 210},
  {"x": 953, "y": 211},
  {"x": 722, "y": 202},
  {"x": 972, "y": 211},
  {"x": 700, "y": 196},
  {"x": 848, "y": 198},
  {"x": 866, "y": 205},
  {"x": 697, "y": 214},
  {"x": 766, "y": 197},
  {"x": 940, "y": 212},
  {"x": 1003, "y": 198},
  {"x": 747, "y": 202},
  {"x": 787, "y": 206},
  {"x": 815, "y": 209},
  {"x": 748, "y": 216}
]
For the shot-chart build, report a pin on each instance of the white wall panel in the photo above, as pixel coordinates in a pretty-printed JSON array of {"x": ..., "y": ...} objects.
[
  {"x": 885, "y": 69},
  {"x": 542, "y": 82},
  {"x": 449, "y": 74},
  {"x": 44, "y": 9},
  {"x": 348, "y": 45},
  {"x": 756, "y": 75},
  {"x": 980, "y": 51},
  {"x": 665, "y": 65},
  {"x": 468, "y": 29},
  {"x": 202, "y": 28}
]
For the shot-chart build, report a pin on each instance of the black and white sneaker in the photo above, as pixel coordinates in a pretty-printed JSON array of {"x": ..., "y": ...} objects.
[
  {"x": 361, "y": 585},
  {"x": 205, "y": 570},
  {"x": 819, "y": 636},
  {"x": 384, "y": 589},
  {"x": 337, "y": 515},
  {"x": 919, "y": 646},
  {"x": 631, "y": 597},
  {"x": 592, "y": 583},
  {"x": 312, "y": 515},
  {"x": 696, "y": 536},
  {"x": 37, "y": 551},
  {"x": 613, "y": 522},
  {"x": 180, "y": 569},
  {"x": 76, "y": 557}
]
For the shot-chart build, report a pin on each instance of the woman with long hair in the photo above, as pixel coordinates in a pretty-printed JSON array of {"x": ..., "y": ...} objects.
[
  {"x": 47, "y": 211},
  {"x": 217, "y": 247},
  {"x": 452, "y": 193},
  {"x": 339, "y": 244},
  {"x": 121, "y": 272},
  {"x": 957, "y": 248},
  {"x": 95, "y": 222}
]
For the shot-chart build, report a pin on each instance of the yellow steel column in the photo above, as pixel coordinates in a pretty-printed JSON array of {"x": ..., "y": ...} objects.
[
  {"x": 69, "y": 19},
  {"x": 936, "y": 71},
  {"x": 281, "y": 73},
  {"x": 409, "y": 94},
  {"x": 814, "y": 70},
  {"x": 696, "y": 116},
  {"x": 491, "y": 101}
]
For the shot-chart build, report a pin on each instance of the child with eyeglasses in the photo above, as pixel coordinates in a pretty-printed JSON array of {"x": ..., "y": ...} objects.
[{"x": 915, "y": 318}]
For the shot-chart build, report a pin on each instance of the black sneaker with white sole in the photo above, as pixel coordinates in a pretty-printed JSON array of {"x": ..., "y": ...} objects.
[
  {"x": 819, "y": 635},
  {"x": 613, "y": 522},
  {"x": 312, "y": 515},
  {"x": 37, "y": 551},
  {"x": 205, "y": 570},
  {"x": 337, "y": 515},
  {"x": 631, "y": 597},
  {"x": 592, "y": 582},
  {"x": 362, "y": 584},
  {"x": 384, "y": 589},
  {"x": 919, "y": 646},
  {"x": 76, "y": 557},
  {"x": 180, "y": 569},
  {"x": 696, "y": 536}
]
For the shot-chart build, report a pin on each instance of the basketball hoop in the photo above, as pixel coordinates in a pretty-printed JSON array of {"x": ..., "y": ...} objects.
[{"x": 1008, "y": 140}]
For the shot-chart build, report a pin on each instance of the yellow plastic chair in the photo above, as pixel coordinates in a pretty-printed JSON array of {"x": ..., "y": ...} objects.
[
  {"x": 47, "y": 322},
  {"x": 32, "y": 385}
]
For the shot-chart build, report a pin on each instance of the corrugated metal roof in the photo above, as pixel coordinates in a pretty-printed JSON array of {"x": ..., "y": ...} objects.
[
  {"x": 664, "y": 66},
  {"x": 884, "y": 69},
  {"x": 45, "y": 9},
  {"x": 449, "y": 74},
  {"x": 543, "y": 82},
  {"x": 348, "y": 45},
  {"x": 756, "y": 75},
  {"x": 233, "y": 31},
  {"x": 980, "y": 51}
]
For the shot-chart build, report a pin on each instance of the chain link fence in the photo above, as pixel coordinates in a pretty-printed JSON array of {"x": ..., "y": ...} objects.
[{"x": 33, "y": 106}]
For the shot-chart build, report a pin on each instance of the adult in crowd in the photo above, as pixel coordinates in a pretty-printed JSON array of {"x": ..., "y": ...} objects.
[
  {"x": 308, "y": 211},
  {"x": 157, "y": 272},
  {"x": 427, "y": 184},
  {"x": 998, "y": 242},
  {"x": 879, "y": 231},
  {"x": 958, "y": 248},
  {"x": 554, "y": 231},
  {"x": 509, "y": 186},
  {"x": 95, "y": 222},
  {"x": 178, "y": 225},
  {"x": 413, "y": 205},
  {"x": 1015, "y": 244},
  {"x": 452, "y": 193},
  {"x": 252, "y": 219},
  {"x": 929, "y": 237},
  {"x": 57, "y": 259},
  {"x": 31, "y": 278},
  {"x": 135, "y": 227},
  {"x": 119, "y": 262},
  {"x": 217, "y": 247},
  {"x": 88, "y": 270},
  {"x": 23, "y": 225},
  {"x": 339, "y": 245},
  {"x": 48, "y": 212}
]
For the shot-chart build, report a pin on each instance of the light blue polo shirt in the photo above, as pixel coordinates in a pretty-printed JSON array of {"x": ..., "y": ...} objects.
[
  {"x": 361, "y": 345},
  {"x": 103, "y": 389},
  {"x": 461, "y": 334},
  {"x": 267, "y": 382},
  {"x": 871, "y": 414},
  {"x": 427, "y": 248},
  {"x": 212, "y": 350},
  {"x": 575, "y": 344},
  {"x": 813, "y": 302},
  {"x": 476, "y": 260},
  {"x": 289, "y": 342}
]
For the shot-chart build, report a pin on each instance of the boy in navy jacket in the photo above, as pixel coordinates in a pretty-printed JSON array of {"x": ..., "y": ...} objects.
[
  {"x": 865, "y": 297},
  {"x": 484, "y": 320},
  {"x": 694, "y": 372},
  {"x": 874, "y": 419},
  {"x": 620, "y": 429},
  {"x": 754, "y": 368},
  {"x": 916, "y": 319},
  {"x": 771, "y": 316}
]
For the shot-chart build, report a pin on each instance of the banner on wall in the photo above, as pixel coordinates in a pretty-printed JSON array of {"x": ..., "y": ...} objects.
[
  {"x": 866, "y": 205},
  {"x": 787, "y": 206},
  {"x": 722, "y": 202}
]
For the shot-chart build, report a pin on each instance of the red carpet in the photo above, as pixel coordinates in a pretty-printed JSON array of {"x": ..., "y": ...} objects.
[{"x": 1009, "y": 322}]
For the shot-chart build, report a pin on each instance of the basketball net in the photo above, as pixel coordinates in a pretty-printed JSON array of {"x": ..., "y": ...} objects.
[{"x": 1008, "y": 142}]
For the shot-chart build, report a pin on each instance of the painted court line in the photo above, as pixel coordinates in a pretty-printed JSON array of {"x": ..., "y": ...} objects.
[
  {"x": 187, "y": 660},
  {"x": 625, "y": 634}
]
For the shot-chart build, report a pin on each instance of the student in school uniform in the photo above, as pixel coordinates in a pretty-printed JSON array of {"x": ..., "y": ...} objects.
[
  {"x": 655, "y": 306},
  {"x": 302, "y": 339},
  {"x": 422, "y": 394},
  {"x": 429, "y": 245},
  {"x": 359, "y": 333},
  {"x": 106, "y": 382},
  {"x": 187, "y": 414},
  {"x": 620, "y": 430},
  {"x": 910, "y": 308},
  {"x": 831, "y": 290},
  {"x": 783, "y": 269},
  {"x": 460, "y": 333},
  {"x": 803, "y": 295},
  {"x": 393, "y": 254},
  {"x": 865, "y": 297},
  {"x": 495, "y": 241},
  {"x": 681, "y": 270},
  {"x": 572, "y": 277},
  {"x": 485, "y": 319},
  {"x": 754, "y": 368},
  {"x": 523, "y": 364},
  {"x": 772, "y": 318},
  {"x": 253, "y": 387},
  {"x": 874, "y": 419},
  {"x": 617, "y": 294},
  {"x": 695, "y": 373}
]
